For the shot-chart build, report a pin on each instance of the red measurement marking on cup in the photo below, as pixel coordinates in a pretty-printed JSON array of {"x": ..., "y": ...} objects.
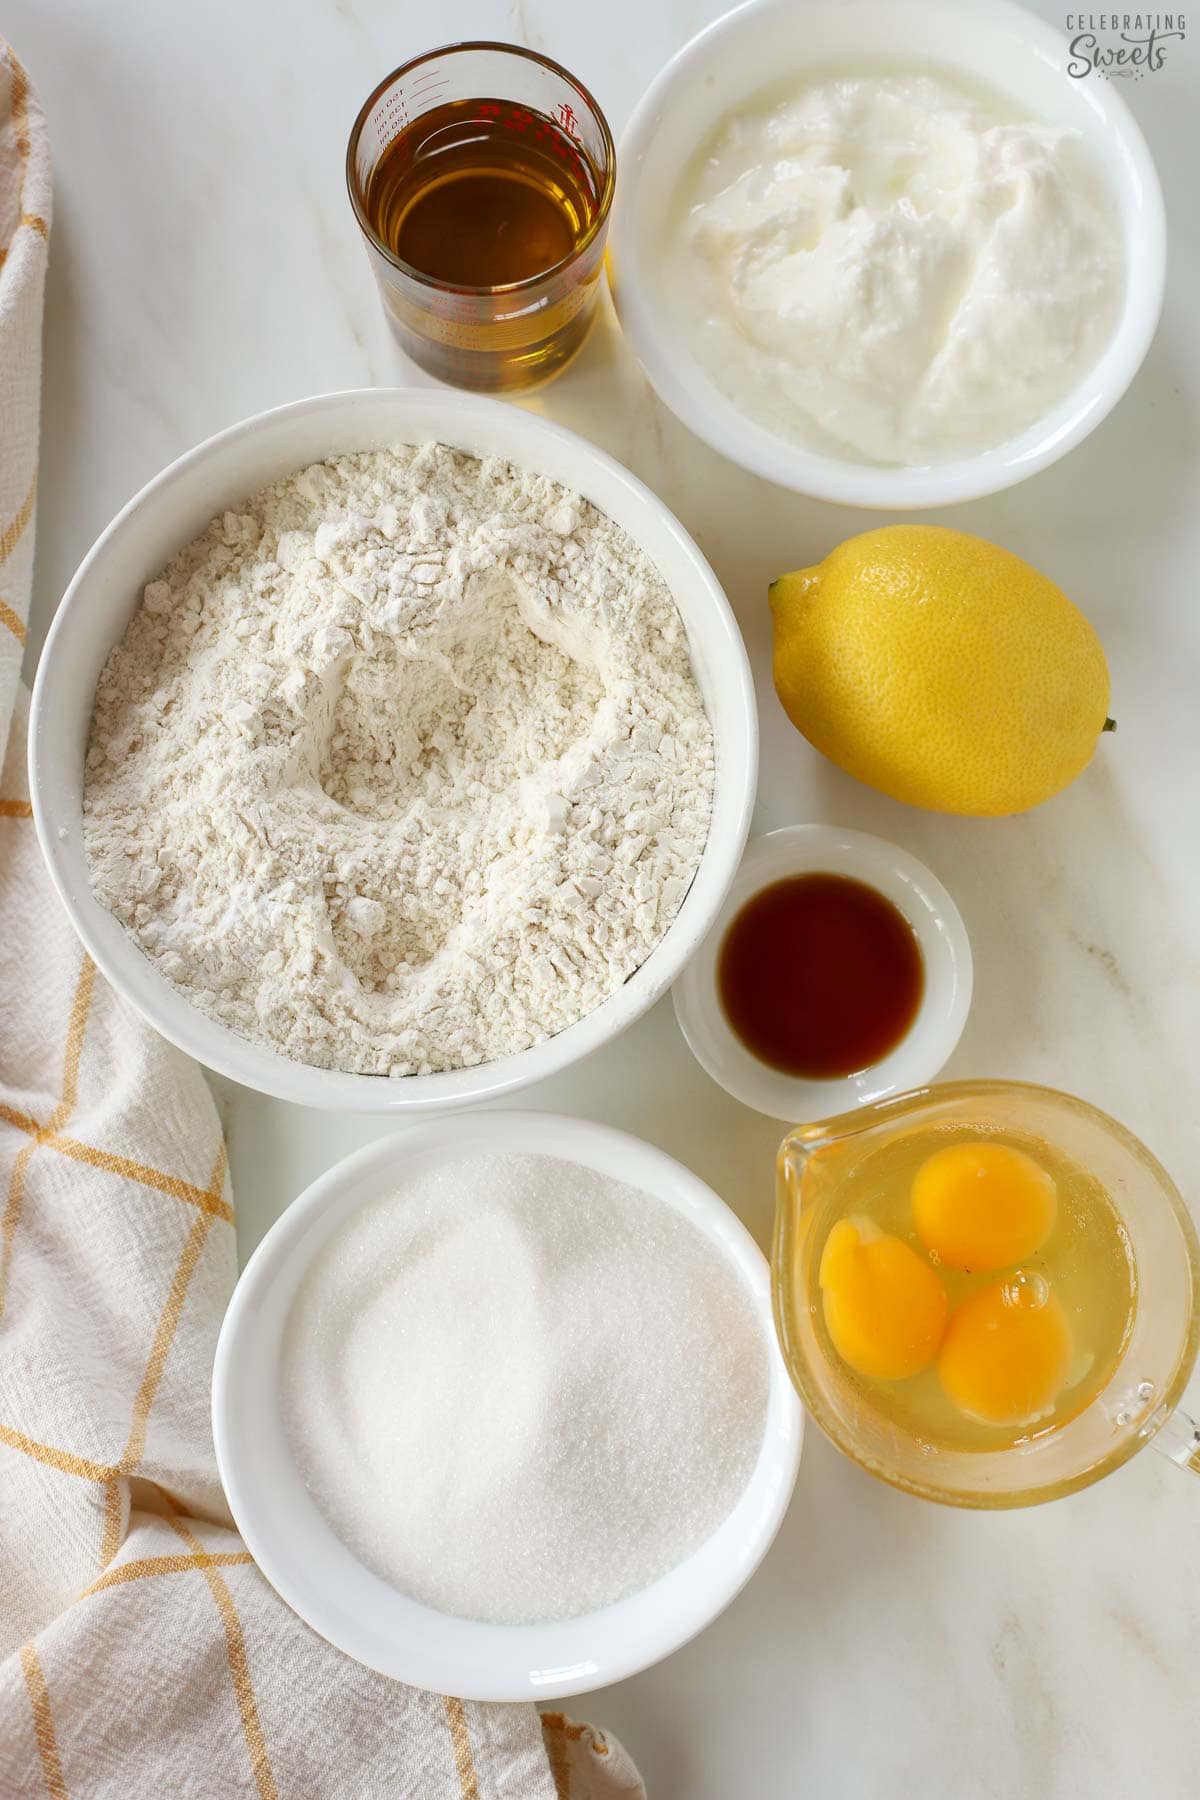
[{"x": 389, "y": 119}]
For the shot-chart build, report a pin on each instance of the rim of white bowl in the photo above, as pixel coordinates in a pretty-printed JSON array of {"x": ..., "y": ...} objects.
[
  {"x": 269, "y": 1072},
  {"x": 321, "y": 1580},
  {"x": 925, "y": 1047},
  {"x": 690, "y": 392}
]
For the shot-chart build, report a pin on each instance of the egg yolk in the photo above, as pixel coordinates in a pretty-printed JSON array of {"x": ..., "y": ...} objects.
[
  {"x": 1007, "y": 1351},
  {"x": 885, "y": 1308},
  {"x": 983, "y": 1206}
]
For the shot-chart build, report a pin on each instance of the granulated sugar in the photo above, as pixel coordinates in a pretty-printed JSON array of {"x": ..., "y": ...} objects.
[
  {"x": 401, "y": 766},
  {"x": 519, "y": 1390}
]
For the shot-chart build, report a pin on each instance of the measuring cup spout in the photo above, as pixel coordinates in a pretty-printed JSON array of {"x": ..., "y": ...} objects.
[
  {"x": 799, "y": 1158},
  {"x": 793, "y": 1158},
  {"x": 807, "y": 1148}
]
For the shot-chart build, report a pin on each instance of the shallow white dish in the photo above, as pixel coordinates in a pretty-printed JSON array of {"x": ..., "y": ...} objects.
[
  {"x": 314, "y": 1572},
  {"x": 171, "y": 510},
  {"x": 945, "y": 950},
  {"x": 989, "y": 41}
]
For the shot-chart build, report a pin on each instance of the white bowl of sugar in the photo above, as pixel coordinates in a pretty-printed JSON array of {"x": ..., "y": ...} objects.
[
  {"x": 499, "y": 1410},
  {"x": 118, "y": 582}
]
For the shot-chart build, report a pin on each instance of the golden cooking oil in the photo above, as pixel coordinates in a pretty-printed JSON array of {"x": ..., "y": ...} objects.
[
  {"x": 492, "y": 216},
  {"x": 482, "y": 194}
]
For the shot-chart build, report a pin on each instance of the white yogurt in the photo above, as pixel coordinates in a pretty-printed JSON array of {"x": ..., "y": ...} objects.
[{"x": 890, "y": 268}]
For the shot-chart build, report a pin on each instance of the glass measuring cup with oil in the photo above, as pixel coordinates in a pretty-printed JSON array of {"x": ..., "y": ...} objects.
[
  {"x": 986, "y": 1292},
  {"x": 481, "y": 176}
]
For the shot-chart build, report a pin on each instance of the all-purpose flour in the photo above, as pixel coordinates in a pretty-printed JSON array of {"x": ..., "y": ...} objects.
[{"x": 402, "y": 767}]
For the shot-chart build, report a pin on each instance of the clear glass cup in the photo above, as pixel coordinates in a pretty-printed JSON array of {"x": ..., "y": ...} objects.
[
  {"x": 524, "y": 332},
  {"x": 1137, "y": 1406}
]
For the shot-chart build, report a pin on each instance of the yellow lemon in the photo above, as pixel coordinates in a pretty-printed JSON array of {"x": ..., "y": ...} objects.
[{"x": 940, "y": 669}]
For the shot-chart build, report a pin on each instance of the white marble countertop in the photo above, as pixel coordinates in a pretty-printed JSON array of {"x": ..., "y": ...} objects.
[{"x": 205, "y": 265}]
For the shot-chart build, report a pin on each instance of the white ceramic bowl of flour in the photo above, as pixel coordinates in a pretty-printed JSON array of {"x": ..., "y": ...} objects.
[
  {"x": 321, "y": 1578},
  {"x": 226, "y": 470},
  {"x": 758, "y": 49}
]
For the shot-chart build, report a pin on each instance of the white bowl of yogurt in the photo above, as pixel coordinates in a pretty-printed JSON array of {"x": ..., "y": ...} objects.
[{"x": 887, "y": 253}]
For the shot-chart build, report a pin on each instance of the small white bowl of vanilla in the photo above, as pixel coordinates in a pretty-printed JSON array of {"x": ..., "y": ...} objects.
[{"x": 887, "y": 253}]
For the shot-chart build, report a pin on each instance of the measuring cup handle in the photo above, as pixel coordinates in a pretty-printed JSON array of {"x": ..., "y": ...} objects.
[{"x": 1179, "y": 1439}]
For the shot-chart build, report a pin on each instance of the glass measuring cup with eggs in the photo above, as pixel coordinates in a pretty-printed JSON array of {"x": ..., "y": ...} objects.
[{"x": 986, "y": 1292}]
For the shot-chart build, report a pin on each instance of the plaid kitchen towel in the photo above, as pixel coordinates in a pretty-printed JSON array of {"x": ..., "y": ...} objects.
[{"x": 143, "y": 1655}]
